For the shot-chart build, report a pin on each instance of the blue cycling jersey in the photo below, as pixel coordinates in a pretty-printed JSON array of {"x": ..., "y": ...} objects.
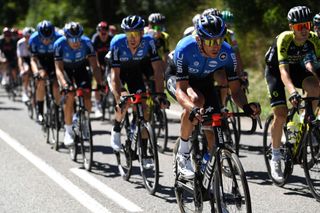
[
  {"x": 192, "y": 63},
  {"x": 37, "y": 48},
  {"x": 121, "y": 54},
  {"x": 73, "y": 58}
]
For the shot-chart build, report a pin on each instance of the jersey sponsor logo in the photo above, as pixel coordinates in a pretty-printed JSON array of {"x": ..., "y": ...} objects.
[
  {"x": 283, "y": 50},
  {"x": 213, "y": 64},
  {"x": 78, "y": 55},
  {"x": 223, "y": 56},
  {"x": 153, "y": 47},
  {"x": 140, "y": 53},
  {"x": 207, "y": 71},
  {"x": 233, "y": 56},
  {"x": 124, "y": 59},
  {"x": 179, "y": 62},
  {"x": 196, "y": 63},
  {"x": 192, "y": 70}
]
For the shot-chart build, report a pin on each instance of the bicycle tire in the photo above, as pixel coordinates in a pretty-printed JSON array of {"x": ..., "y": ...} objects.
[
  {"x": 150, "y": 175},
  {"x": 311, "y": 161},
  {"x": 53, "y": 126},
  {"x": 73, "y": 149},
  {"x": 286, "y": 161},
  {"x": 86, "y": 140},
  {"x": 187, "y": 199},
  {"x": 160, "y": 126},
  {"x": 233, "y": 197}
]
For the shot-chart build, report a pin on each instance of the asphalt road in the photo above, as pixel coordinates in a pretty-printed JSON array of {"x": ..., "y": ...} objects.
[{"x": 35, "y": 178}]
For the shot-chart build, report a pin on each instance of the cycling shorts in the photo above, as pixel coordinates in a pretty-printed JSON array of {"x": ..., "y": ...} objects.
[
  {"x": 80, "y": 76},
  {"x": 275, "y": 85}
]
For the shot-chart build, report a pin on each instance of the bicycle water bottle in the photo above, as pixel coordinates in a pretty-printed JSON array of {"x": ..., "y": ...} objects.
[
  {"x": 204, "y": 162},
  {"x": 292, "y": 130}
]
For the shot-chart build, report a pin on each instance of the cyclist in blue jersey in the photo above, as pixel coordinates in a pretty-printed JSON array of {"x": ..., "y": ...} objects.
[
  {"x": 72, "y": 51},
  {"x": 131, "y": 53},
  {"x": 42, "y": 62},
  {"x": 198, "y": 58}
]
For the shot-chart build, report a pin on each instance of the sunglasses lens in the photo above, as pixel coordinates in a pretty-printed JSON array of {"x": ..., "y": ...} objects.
[
  {"x": 212, "y": 42},
  {"x": 133, "y": 34},
  {"x": 73, "y": 40},
  {"x": 301, "y": 26}
]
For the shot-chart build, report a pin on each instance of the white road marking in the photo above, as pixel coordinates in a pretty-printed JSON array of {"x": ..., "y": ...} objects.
[
  {"x": 82, "y": 197},
  {"x": 106, "y": 190}
]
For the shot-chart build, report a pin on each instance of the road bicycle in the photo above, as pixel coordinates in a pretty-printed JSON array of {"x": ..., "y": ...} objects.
[
  {"x": 222, "y": 182},
  {"x": 83, "y": 143},
  {"x": 305, "y": 151},
  {"x": 139, "y": 145}
]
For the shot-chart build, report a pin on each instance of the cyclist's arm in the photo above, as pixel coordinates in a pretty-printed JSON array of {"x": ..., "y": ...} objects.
[
  {"x": 286, "y": 79},
  {"x": 182, "y": 96},
  {"x": 116, "y": 83},
  {"x": 59, "y": 73},
  {"x": 158, "y": 75},
  {"x": 96, "y": 70},
  {"x": 20, "y": 64},
  {"x": 238, "y": 95},
  {"x": 34, "y": 64}
]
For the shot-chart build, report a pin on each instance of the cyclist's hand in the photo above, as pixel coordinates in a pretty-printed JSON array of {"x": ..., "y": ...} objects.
[
  {"x": 196, "y": 115},
  {"x": 244, "y": 80},
  {"x": 121, "y": 105},
  {"x": 295, "y": 98},
  {"x": 42, "y": 73},
  {"x": 66, "y": 89},
  {"x": 252, "y": 109}
]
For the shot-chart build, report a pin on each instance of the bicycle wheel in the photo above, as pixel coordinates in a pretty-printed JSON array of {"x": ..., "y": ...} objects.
[
  {"x": 148, "y": 158},
  {"x": 86, "y": 140},
  {"x": 286, "y": 162},
  {"x": 73, "y": 150},
  {"x": 160, "y": 126},
  {"x": 231, "y": 134},
  {"x": 230, "y": 184},
  {"x": 53, "y": 128},
  {"x": 188, "y": 192},
  {"x": 311, "y": 161}
]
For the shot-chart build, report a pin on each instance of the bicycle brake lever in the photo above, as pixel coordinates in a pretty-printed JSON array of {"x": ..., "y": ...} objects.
[{"x": 259, "y": 121}]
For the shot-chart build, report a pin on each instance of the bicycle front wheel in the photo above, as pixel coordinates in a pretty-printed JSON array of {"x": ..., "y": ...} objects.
[
  {"x": 311, "y": 161},
  {"x": 230, "y": 184},
  {"x": 148, "y": 157},
  {"x": 286, "y": 162},
  {"x": 86, "y": 140}
]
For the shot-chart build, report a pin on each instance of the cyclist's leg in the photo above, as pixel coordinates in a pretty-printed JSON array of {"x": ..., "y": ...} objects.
[{"x": 83, "y": 79}]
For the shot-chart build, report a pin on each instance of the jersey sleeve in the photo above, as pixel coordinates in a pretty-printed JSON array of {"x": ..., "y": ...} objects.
[
  {"x": 89, "y": 48},
  {"x": 181, "y": 63},
  {"x": 58, "y": 53},
  {"x": 282, "y": 49},
  {"x": 19, "y": 44},
  {"x": 154, "y": 56},
  {"x": 33, "y": 46},
  {"x": 114, "y": 48},
  {"x": 231, "y": 66}
]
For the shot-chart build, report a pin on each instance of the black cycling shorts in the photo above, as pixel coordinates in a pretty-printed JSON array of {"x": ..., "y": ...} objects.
[
  {"x": 275, "y": 85},
  {"x": 80, "y": 76}
]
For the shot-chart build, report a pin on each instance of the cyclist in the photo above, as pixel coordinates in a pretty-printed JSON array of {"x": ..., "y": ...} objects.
[
  {"x": 131, "y": 53},
  {"x": 197, "y": 58},
  {"x": 71, "y": 54},
  {"x": 284, "y": 69},
  {"x": 24, "y": 54},
  {"x": 42, "y": 61},
  {"x": 156, "y": 28},
  {"x": 316, "y": 24},
  {"x": 9, "y": 60},
  {"x": 101, "y": 43},
  {"x": 113, "y": 30},
  {"x": 227, "y": 16}
]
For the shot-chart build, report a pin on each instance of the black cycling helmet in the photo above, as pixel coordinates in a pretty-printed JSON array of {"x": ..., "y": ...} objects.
[
  {"x": 132, "y": 23},
  {"x": 45, "y": 29},
  {"x": 316, "y": 20},
  {"x": 212, "y": 11},
  {"x": 210, "y": 27},
  {"x": 73, "y": 30},
  {"x": 156, "y": 19},
  {"x": 299, "y": 14}
]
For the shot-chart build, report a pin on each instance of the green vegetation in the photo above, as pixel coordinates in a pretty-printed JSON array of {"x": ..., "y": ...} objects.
[{"x": 257, "y": 22}]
